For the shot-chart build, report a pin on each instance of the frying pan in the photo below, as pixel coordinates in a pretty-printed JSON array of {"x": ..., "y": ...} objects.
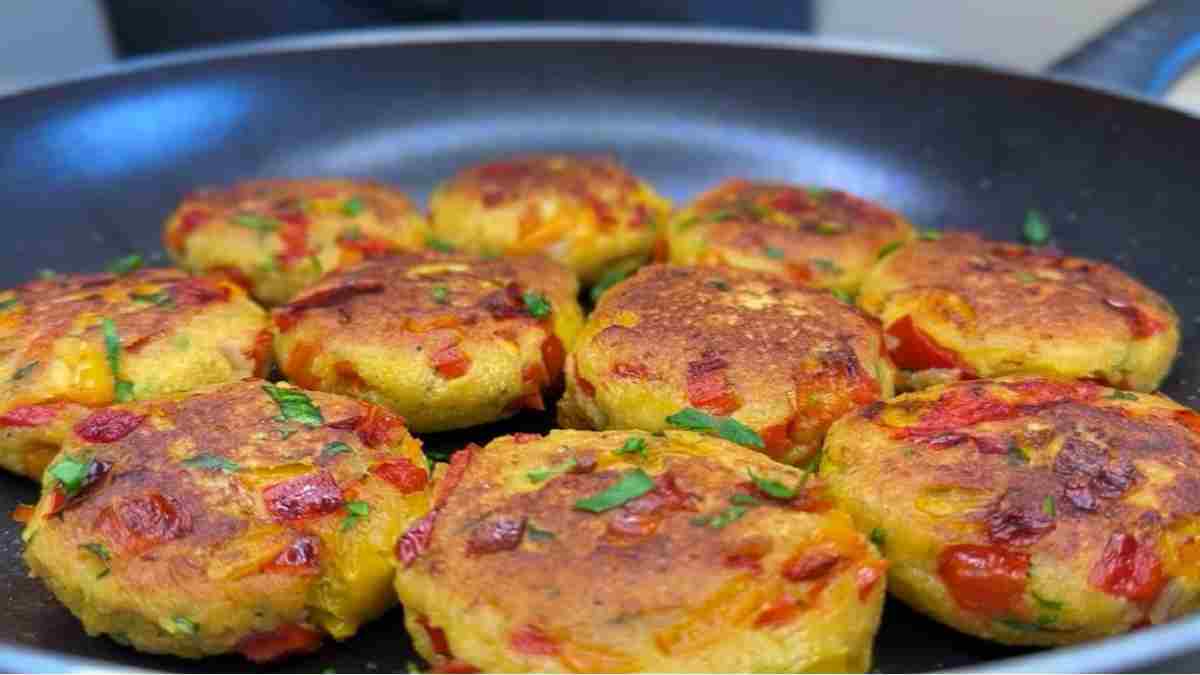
[{"x": 90, "y": 167}]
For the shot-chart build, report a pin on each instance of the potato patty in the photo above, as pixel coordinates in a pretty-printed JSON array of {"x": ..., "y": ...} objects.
[
  {"x": 826, "y": 238},
  {"x": 626, "y": 552},
  {"x": 965, "y": 306},
  {"x": 72, "y": 343},
  {"x": 728, "y": 345},
  {"x": 246, "y": 518},
  {"x": 447, "y": 341},
  {"x": 588, "y": 213},
  {"x": 276, "y": 237},
  {"x": 1028, "y": 510}
]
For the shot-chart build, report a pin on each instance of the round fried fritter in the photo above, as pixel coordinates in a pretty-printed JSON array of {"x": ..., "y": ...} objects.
[
  {"x": 965, "y": 306},
  {"x": 447, "y": 341},
  {"x": 276, "y": 237},
  {"x": 245, "y": 518},
  {"x": 819, "y": 237},
  {"x": 1028, "y": 510},
  {"x": 626, "y": 552},
  {"x": 588, "y": 213},
  {"x": 783, "y": 360},
  {"x": 72, "y": 343}
]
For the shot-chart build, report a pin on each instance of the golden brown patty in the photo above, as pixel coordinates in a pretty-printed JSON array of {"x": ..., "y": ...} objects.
[
  {"x": 245, "y": 518},
  {"x": 447, "y": 341},
  {"x": 588, "y": 213},
  {"x": 627, "y": 552},
  {"x": 276, "y": 237},
  {"x": 826, "y": 238},
  {"x": 1028, "y": 510},
  {"x": 984, "y": 308},
  {"x": 780, "y": 359},
  {"x": 71, "y": 343}
]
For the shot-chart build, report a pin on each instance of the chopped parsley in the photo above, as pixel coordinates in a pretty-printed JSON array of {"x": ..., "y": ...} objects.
[
  {"x": 25, "y": 370},
  {"x": 1048, "y": 506},
  {"x": 358, "y": 510},
  {"x": 1036, "y": 229},
  {"x": 721, "y": 519},
  {"x": 123, "y": 389},
  {"x": 295, "y": 405},
  {"x": 352, "y": 206},
  {"x": 1024, "y": 626},
  {"x": 830, "y": 227},
  {"x": 843, "y": 296},
  {"x": 878, "y": 536},
  {"x": 186, "y": 625},
  {"x": 71, "y": 474},
  {"x": 212, "y": 462},
  {"x": 8, "y": 303},
  {"x": 159, "y": 298},
  {"x": 101, "y": 552},
  {"x": 817, "y": 194},
  {"x": 633, "y": 484},
  {"x": 536, "y": 304},
  {"x": 440, "y": 294},
  {"x": 439, "y": 245},
  {"x": 771, "y": 488},
  {"x": 889, "y": 249},
  {"x": 539, "y": 475},
  {"x": 1046, "y": 603},
  {"x": 333, "y": 449},
  {"x": 774, "y": 253},
  {"x": 719, "y": 284},
  {"x": 1026, "y": 277},
  {"x": 725, "y": 427},
  {"x": 826, "y": 266},
  {"x": 633, "y": 446},
  {"x": 745, "y": 500},
  {"x": 1119, "y": 395},
  {"x": 929, "y": 235},
  {"x": 260, "y": 224},
  {"x": 125, "y": 265},
  {"x": 1017, "y": 455},
  {"x": 613, "y": 276},
  {"x": 536, "y": 533}
]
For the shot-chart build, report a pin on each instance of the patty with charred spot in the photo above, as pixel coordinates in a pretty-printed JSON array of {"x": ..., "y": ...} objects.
[
  {"x": 629, "y": 552},
  {"x": 1028, "y": 510},
  {"x": 247, "y": 518},
  {"x": 771, "y": 362},
  {"x": 445, "y": 340}
]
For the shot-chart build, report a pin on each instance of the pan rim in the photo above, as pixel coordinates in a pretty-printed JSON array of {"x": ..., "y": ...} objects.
[{"x": 1131, "y": 651}]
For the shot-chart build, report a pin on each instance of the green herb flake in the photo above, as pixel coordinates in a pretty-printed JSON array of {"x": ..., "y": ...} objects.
[
  {"x": 536, "y": 533},
  {"x": 333, "y": 449},
  {"x": 725, "y": 427},
  {"x": 98, "y": 550},
  {"x": 633, "y": 446},
  {"x": 123, "y": 390},
  {"x": 1046, "y": 603},
  {"x": 633, "y": 484},
  {"x": 158, "y": 298},
  {"x": 316, "y": 264},
  {"x": 539, "y": 475},
  {"x": 440, "y": 295},
  {"x": 745, "y": 500},
  {"x": 260, "y": 224},
  {"x": 613, "y": 276},
  {"x": 889, "y": 249},
  {"x": 358, "y": 510},
  {"x": 353, "y": 206},
  {"x": 186, "y": 626},
  {"x": 1036, "y": 229},
  {"x": 46, "y": 274},
  {"x": 125, "y": 265},
  {"x": 439, "y": 245},
  {"x": 1048, "y": 506},
  {"x": 1026, "y": 277},
  {"x": 25, "y": 370},
  {"x": 295, "y": 405},
  {"x": 352, "y": 233},
  {"x": 842, "y": 295},
  {"x": 719, "y": 284},
  {"x": 1118, "y": 395},
  {"x": 771, "y": 488},
  {"x": 929, "y": 235},
  {"x": 878, "y": 536},
  {"x": 1018, "y": 625},
  {"x": 1017, "y": 455},
  {"x": 70, "y": 474},
  {"x": 830, "y": 227},
  {"x": 536, "y": 304},
  {"x": 774, "y": 253},
  {"x": 817, "y": 194},
  {"x": 826, "y": 266},
  {"x": 212, "y": 462},
  {"x": 720, "y": 520},
  {"x": 8, "y": 303}
]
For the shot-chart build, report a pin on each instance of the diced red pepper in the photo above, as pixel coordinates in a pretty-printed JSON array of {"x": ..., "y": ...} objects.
[
  {"x": 748, "y": 554},
  {"x": 307, "y": 496},
  {"x": 521, "y": 437},
  {"x": 29, "y": 416},
  {"x": 708, "y": 387},
  {"x": 966, "y": 406},
  {"x": 505, "y": 303},
  {"x": 294, "y": 236},
  {"x": 809, "y": 565},
  {"x": 1141, "y": 324},
  {"x": 58, "y": 502},
  {"x": 368, "y": 246},
  {"x": 800, "y": 273},
  {"x": 586, "y": 387},
  {"x": 22, "y": 513},
  {"x": 260, "y": 352},
  {"x": 233, "y": 274},
  {"x": 416, "y": 539},
  {"x": 1128, "y": 569},
  {"x": 198, "y": 291},
  {"x": 299, "y": 362},
  {"x": 329, "y": 296},
  {"x": 1189, "y": 419},
  {"x": 301, "y": 557},
  {"x": 502, "y": 533},
  {"x": 633, "y": 371},
  {"x": 138, "y": 524},
  {"x": 377, "y": 427},
  {"x": 533, "y": 641},
  {"x": 916, "y": 350},
  {"x": 108, "y": 425},
  {"x": 986, "y": 579},
  {"x": 403, "y": 474},
  {"x": 781, "y": 611},
  {"x": 286, "y": 640},
  {"x": 777, "y": 438},
  {"x": 867, "y": 576},
  {"x": 459, "y": 462},
  {"x": 553, "y": 357},
  {"x": 450, "y": 362},
  {"x": 189, "y": 221},
  {"x": 437, "y": 637}
]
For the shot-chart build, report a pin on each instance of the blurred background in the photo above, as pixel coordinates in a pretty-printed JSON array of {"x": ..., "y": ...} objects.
[{"x": 43, "y": 40}]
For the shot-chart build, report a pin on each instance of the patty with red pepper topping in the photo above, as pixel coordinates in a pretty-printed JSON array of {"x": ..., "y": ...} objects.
[
  {"x": 1028, "y": 510},
  {"x": 816, "y": 236},
  {"x": 623, "y": 551},
  {"x": 961, "y": 306},
  {"x": 770, "y": 362},
  {"x": 445, "y": 340},
  {"x": 72, "y": 343},
  {"x": 276, "y": 237},
  {"x": 246, "y": 518},
  {"x": 589, "y": 213}
]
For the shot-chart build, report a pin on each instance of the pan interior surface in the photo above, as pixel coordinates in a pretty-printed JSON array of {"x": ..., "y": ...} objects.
[{"x": 91, "y": 169}]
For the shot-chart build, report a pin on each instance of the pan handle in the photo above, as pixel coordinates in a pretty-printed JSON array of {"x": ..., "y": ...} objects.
[{"x": 1145, "y": 52}]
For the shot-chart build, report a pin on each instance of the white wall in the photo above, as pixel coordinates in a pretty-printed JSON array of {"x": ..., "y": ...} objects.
[{"x": 43, "y": 40}]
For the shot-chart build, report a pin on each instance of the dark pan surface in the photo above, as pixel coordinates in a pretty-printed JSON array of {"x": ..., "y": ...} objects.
[{"x": 89, "y": 169}]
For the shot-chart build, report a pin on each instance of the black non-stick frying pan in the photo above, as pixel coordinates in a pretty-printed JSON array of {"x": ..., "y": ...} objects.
[{"x": 88, "y": 170}]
